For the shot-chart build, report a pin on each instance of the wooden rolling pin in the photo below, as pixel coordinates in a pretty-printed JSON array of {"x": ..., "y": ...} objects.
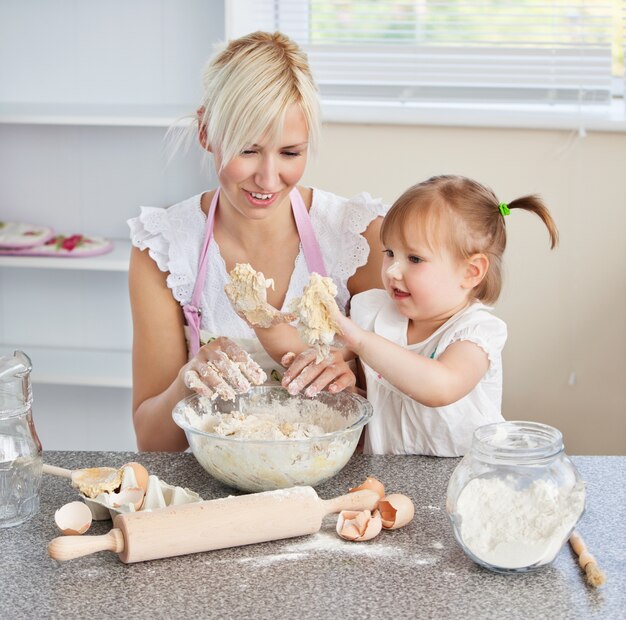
[{"x": 213, "y": 524}]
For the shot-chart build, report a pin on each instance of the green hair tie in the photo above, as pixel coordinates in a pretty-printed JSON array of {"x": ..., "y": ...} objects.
[{"x": 504, "y": 208}]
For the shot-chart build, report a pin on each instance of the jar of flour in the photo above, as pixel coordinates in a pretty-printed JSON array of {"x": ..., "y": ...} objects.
[{"x": 515, "y": 497}]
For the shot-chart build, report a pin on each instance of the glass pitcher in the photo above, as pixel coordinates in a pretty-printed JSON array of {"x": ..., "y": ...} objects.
[{"x": 20, "y": 448}]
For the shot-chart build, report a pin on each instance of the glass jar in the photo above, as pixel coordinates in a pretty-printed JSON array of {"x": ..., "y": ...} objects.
[
  {"x": 515, "y": 497},
  {"x": 20, "y": 448}
]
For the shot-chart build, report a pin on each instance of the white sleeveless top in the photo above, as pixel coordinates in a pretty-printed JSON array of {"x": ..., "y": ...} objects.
[
  {"x": 174, "y": 238},
  {"x": 400, "y": 425}
]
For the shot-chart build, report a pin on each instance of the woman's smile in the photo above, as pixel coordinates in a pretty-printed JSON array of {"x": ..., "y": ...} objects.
[{"x": 259, "y": 199}]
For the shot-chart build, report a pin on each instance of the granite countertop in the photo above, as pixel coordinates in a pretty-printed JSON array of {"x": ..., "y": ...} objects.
[{"x": 417, "y": 571}]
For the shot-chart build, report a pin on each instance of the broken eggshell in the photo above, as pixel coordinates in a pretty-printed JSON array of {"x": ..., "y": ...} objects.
[
  {"x": 141, "y": 476},
  {"x": 358, "y": 525},
  {"x": 371, "y": 484},
  {"x": 73, "y": 519},
  {"x": 159, "y": 495},
  {"x": 131, "y": 497},
  {"x": 101, "y": 505},
  {"x": 396, "y": 510}
]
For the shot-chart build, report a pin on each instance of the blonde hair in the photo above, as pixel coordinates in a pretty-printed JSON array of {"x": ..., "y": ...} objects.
[
  {"x": 464, "y": 217},
  {"x": 248, "y": 88}
]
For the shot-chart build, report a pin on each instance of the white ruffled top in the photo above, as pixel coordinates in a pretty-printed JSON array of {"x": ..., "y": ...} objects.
[
  {"x": 401, "y": 425},
  {"x": 174, "y": 237}
]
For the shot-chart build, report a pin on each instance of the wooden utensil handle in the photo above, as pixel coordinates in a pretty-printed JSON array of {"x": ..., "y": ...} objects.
[
  {"x": 213, "y": 524},
  {"x": 57, "y": 471},
  {"x": 357, "y": 500},
  {"x": 70, "y": 547}
]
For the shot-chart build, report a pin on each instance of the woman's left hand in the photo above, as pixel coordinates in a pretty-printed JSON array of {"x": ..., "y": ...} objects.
[{"x": 302, "y": 372}]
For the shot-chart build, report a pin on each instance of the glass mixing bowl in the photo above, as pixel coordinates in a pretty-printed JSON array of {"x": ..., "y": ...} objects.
[{"x": 255, "y": 464}]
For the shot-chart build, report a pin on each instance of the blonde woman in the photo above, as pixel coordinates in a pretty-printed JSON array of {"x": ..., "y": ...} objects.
[{"x": 259, "y": 119}]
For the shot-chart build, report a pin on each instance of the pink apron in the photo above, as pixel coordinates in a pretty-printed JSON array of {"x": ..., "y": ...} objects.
[{"x": 310, "y": 247}]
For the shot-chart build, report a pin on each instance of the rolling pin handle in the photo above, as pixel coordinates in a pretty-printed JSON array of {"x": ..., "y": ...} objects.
[
  {"x": 364, "y": 499},
  {"x": 70, "y": 547}
]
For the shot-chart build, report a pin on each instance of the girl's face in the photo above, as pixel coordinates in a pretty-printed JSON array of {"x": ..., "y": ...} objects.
[
  {"x": 426, "y": 285},
  {"x": 258, "y": 180}
]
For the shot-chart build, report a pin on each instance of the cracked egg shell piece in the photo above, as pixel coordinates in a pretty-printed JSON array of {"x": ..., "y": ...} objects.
[
  {"x": 396, "y": 510},
  {"x": 95, "y": 480},
  {"x": 247, "y": 291},
  {"x": 371, "y": 484},
  {"x": 358, "y": 525},
  {"x": 130, "y": 496},
  {"x": 314, "y": 311},
  {"x": 73, "y": 519},
  {"x": 140, "y": 474},
  {"x": 159, "y": 495}
]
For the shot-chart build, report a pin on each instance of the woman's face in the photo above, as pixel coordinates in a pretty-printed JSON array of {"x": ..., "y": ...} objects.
[{"x": 258, "y": 180}]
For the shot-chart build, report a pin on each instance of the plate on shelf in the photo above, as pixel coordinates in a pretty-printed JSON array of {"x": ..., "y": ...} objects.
[
  {"x": 20, "y": 235},
  {"x": 71, "y": 246}
]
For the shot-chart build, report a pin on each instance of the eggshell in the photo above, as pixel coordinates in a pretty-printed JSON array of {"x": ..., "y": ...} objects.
[
  {"x": 371, "y": 484},
  {"x": 358, "y": 525},
  {"x": 73, "y": 519},
  {"x": 396, "y": 510},
  {"x": 127, "y": 497},
  {"x": 141, "y": 475}
]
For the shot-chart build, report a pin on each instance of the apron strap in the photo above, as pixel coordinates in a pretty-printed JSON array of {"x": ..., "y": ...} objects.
[
  {"x": 310, "y": 248},
  {"x": 191, "y": 310}
]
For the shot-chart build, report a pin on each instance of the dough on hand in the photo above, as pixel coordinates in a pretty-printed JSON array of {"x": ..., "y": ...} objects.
[
  {"x": 247, "y": 291},
  {"x": 314, "y": 311}
]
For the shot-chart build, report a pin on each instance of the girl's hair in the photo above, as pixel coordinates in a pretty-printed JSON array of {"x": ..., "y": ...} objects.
[
  {"x": 466, "y": 218},
  {"x": 249, "y": 86}
]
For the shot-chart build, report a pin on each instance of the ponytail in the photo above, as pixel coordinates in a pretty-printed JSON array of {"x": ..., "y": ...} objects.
[{"x": 536, "y": 205}]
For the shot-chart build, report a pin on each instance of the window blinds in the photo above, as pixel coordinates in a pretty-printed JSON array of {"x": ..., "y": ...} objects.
[{"x": 491, "y": 51}]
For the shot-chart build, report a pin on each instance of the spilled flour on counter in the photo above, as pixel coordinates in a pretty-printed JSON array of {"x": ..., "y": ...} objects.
[{"x": 324, "y": 543}]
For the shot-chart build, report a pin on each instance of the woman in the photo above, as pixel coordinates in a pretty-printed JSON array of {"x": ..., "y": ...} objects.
[{"x": 259, "y": 119}]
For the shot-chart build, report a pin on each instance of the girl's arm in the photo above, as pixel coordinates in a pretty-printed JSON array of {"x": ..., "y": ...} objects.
[
  {"x": 282, "y": 341},
  {"x": 333, "y": 373},
  {"x": 434, "y": 383}
]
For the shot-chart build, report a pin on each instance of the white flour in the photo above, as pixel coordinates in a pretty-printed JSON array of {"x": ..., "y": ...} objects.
[
  {"x": 327, "y": 542},
  {"x": 508, "y": 527},
  {"x": 295, "y": 419}
]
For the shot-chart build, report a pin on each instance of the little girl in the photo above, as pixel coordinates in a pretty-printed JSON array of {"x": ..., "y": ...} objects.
[{"x": 429, "y": 345}]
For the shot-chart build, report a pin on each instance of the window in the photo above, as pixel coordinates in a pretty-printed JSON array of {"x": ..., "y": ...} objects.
[{"x": 559, "y": 55}]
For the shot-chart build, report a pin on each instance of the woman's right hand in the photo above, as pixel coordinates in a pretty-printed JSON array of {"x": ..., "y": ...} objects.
[
  {"x": 222, "y": 369},
  {"x": 332, "y": 373}
]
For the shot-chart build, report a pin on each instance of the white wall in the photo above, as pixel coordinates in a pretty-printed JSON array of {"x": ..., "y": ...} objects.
[
  {"x": 565, "y": 308},
  {"x": 79, "y": 62}
]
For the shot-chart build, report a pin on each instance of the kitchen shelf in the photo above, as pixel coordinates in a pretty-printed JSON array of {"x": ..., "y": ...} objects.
[
  {"x": 122, "y": 115},
  {"x": 90, "y": 367},
  {"x": 116, "y": 260}
]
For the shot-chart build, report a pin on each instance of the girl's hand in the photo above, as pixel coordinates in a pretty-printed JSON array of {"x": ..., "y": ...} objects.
[
  {"x": 221, "y": 368},
  {"x": 302, "y": 371},
  {"x": 351, "y": 335}
]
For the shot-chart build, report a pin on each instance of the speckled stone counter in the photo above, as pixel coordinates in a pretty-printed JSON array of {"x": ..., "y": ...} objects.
[{"x": 417, "y": 571}]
